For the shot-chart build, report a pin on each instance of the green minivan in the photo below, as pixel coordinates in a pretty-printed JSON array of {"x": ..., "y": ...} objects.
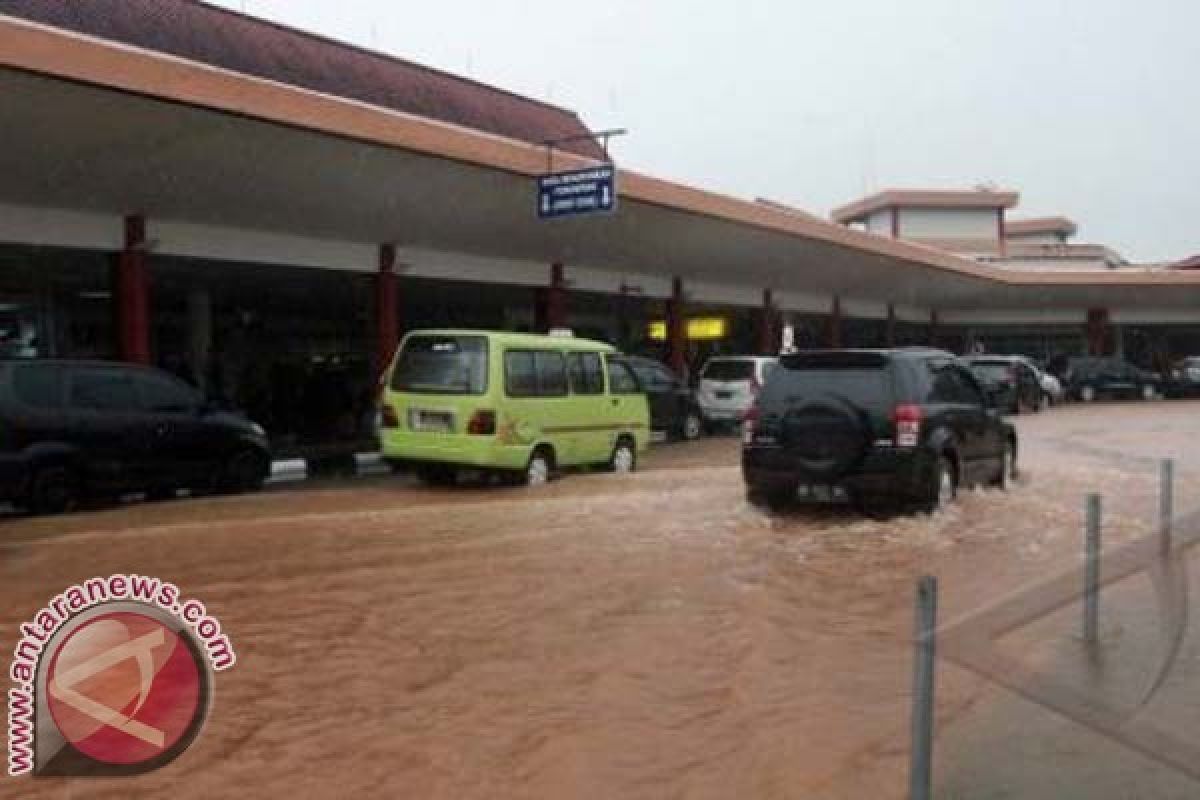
[{"x": 515, "y": 404}]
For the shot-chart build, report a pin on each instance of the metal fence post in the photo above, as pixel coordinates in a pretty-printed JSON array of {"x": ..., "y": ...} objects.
[
  {"x": 1166, "y": 501},
  {"x": 1091, "y": 579},
  {"x": 920, "y": 776}
]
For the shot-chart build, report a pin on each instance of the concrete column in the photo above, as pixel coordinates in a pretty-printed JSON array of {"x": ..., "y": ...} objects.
[
  {"x": 132, "y": 295},
  {"x": 890, "y": 330},
  {"x": 676, "y": 328},
  {"x": 387, "y": 325},
  {"x": 200, "y": 334},
  {"x": 834, "y": 338},
  {"x": 768, "y": 326},
  {"x": 550, "y": 302}
]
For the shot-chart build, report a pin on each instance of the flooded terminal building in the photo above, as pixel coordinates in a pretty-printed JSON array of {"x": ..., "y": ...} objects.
[{"x": 264, "y": 211}]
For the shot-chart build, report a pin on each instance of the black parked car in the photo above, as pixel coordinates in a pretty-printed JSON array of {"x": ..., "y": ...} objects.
[
  {"x": 72, "y": 429},
  {"x": 1093, "y": 378},
  {"x": 1012, "y": 381},
  {"x": 673, "y": 408},
  {"x": 870, "y": 426}
]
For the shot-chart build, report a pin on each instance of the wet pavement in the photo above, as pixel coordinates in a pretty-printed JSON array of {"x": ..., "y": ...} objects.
[{"x": 642, "y": 636}]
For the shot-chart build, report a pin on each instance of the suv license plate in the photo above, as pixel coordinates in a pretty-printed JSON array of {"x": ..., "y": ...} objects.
[
  {"x": 822, "y": 493},
  {"x": 430, "y": 421}
]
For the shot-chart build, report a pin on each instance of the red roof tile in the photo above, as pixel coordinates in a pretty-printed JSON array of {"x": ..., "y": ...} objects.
[{"x": 201, "y": 32}]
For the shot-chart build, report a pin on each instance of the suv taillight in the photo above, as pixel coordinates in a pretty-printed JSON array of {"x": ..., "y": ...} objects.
[
  {"x": 908, "y": 425},
  {"x": 388, "y": 417},
  {"x": 749, "y": 421},
  {"x": 482, "y": 423}
]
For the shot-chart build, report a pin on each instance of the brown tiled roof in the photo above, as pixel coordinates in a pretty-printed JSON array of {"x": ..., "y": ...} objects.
[
  {"x": 1023, "y": 227},
  {"x": 924, "y": 198},
  {"x": 201, "y": 32}
]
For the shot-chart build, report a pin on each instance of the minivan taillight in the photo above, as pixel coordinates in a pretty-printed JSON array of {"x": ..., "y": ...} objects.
[
  {"x": 908, "y": 425},
  {"x": 482, "y": 423},
  {"x": 388, "y": 417},
  {"x": 749, "y": 422}
]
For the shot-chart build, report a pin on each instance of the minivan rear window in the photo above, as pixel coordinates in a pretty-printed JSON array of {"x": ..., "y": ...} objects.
[
  {"x": 728, "y": 371},
  {"x": 442, "y": 365}
]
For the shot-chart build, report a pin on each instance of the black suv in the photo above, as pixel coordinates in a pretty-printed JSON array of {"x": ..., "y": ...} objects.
[
  {"x": 1092, "y": 378},
  {"x": 870, "y": 426},
  {"x": 70, "y": 429},
  {"x": 673, "y": 408}
]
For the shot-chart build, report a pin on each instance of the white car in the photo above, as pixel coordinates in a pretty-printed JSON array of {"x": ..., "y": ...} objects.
[{"x": 729, "y": 385}]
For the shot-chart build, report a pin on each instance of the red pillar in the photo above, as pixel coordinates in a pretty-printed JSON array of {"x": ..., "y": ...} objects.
[
  {"x": 133, "y": 295},
  {"x": 550, "y": 302},
  {"x": 676, "y": 329},
  {"x": 890, "y": 331},
  {"x": 387, "y": 317},
  {"x": 1099, "y": 334},
  {"x": 835, "y": 323},
  {"x": 768, "y": 326}
]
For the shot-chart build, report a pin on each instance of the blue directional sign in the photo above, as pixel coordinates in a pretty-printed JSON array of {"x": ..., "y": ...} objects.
[{"x": 581, "y": 191}]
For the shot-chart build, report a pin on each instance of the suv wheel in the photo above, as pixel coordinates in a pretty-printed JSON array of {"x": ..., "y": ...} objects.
[
  {"x": 944, "y": 487},
  {"x": 624, "y": 457},
  {"x": 1008, "y": 468},
  {"x": 693, "y": 426},
  {"x": 53, "y": 490},
  {"x": 774, "y": 498}
]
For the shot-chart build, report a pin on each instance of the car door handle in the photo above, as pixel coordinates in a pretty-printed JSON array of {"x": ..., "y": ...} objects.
[{"x": 616, "y": 401}]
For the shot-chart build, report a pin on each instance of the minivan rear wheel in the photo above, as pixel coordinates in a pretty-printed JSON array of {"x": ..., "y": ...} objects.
[
  {"x": 624, "y": 457},
  {"x": 53, "y": 490},
  {"x": 539, "y": 468}
]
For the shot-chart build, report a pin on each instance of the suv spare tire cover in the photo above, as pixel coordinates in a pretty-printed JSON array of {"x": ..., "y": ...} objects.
[{"x": 826, "y": 437}]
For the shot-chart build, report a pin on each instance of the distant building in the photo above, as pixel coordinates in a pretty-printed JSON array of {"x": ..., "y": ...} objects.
[{"x": 973, "y": 223}]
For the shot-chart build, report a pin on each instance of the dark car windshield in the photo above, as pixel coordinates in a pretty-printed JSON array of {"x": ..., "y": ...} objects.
[{"x": 442, "y": 365}]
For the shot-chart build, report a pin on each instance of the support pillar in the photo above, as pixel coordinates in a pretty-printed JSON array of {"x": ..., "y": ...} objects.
[
  {"x": 834, "y": 339},
  {"x": 550, "y": 302},
  {"x": 132, "y": 291},
  {"x": 387, "y": 325},
  {"x": 890, "y": 330},
  {"x": 676, "y": 329},
  {"x": 200, "y": 335},
  {"x": 1099, "y": 333},
  {"x": 768, "y": 326}
]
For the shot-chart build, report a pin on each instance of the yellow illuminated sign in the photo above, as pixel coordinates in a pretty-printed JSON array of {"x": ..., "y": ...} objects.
[{"x": 698, "y": 329}]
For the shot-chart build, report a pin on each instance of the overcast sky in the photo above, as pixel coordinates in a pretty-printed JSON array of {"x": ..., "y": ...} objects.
[{"x": 1088, "y": 107}]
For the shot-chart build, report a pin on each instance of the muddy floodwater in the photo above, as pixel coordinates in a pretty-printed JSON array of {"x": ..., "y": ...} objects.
[{"x": 643, "y": 636}]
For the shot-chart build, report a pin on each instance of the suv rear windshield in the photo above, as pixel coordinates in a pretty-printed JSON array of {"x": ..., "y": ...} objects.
[
  {"x": 860, "y": 379},
  {"x": 728, "y": 371},
  {"x": 442, "y": 365}
]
